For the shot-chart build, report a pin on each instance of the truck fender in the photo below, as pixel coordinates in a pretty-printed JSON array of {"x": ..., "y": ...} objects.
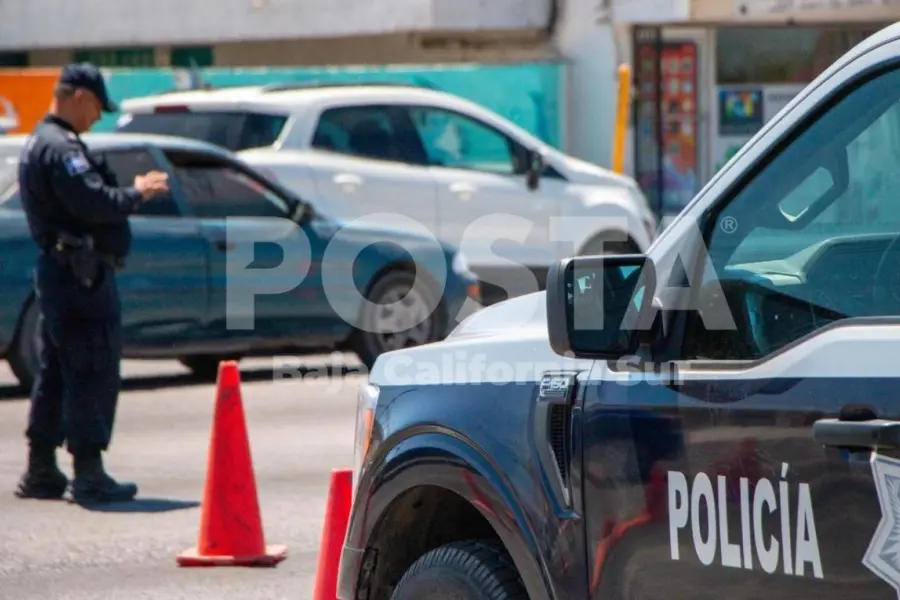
[{"x": 435, "y": 457}]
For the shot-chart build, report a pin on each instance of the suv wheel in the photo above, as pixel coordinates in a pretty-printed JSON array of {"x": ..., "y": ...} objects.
[
  {"x": 401, "y": 313},
  {"x": 469, "y": 570}
]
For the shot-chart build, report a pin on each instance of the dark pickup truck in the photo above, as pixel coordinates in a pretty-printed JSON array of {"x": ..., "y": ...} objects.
[{"x": 716, "y": 418}]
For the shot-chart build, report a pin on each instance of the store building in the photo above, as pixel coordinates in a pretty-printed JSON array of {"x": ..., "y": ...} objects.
[
  {"x": 709, "y": 73},
  {"x": 247, "y": 33}
]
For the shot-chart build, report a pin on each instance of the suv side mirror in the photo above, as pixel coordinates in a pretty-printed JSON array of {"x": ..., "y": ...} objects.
[
  {"x": 599, "y": 307},
  {"x": 534, "y": 168}
]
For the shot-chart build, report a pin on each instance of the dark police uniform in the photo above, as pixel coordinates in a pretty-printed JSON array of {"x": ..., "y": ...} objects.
[{"x": 79, "y": 220}]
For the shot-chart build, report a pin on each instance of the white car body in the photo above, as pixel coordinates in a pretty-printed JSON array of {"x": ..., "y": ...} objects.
[{"x": 499, "y": 222}]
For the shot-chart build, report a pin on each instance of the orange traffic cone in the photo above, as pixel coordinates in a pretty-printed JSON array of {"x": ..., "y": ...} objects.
[
  {"x": 334, "y": 530},
  {"x": 231, "y": 532}
]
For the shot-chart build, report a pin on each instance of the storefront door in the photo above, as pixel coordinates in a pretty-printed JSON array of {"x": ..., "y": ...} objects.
[{"x": 669, "y": 124}]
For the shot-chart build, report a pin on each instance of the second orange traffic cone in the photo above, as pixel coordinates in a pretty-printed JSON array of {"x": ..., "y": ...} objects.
[
  {"x": 231, "y": 531},
  {"x": 334, "y": 531}
]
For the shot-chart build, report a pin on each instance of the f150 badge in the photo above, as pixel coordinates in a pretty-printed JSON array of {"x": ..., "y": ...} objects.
[{"x": 556, "y": 385}]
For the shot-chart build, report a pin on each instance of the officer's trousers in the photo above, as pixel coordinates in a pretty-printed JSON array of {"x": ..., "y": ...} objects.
[{"x": 74, "y": 398}]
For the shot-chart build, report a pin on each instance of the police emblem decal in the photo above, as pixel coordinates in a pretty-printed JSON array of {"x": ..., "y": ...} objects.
[
  {"x": 76, "y": 164},
  {"x": 883, "y": 554}
]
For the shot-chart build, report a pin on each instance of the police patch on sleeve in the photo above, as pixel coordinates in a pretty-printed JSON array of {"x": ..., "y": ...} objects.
[{"x": 76, "y": 163}]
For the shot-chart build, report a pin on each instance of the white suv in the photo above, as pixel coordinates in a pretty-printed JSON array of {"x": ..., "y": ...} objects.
[{"x": 432, "y": 160}]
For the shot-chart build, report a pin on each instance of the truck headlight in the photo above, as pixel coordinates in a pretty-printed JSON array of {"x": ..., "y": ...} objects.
[{"x": 366, "y": 403}]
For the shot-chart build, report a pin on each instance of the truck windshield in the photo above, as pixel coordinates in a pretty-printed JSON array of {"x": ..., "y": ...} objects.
[{"x": 234, "y": 130}]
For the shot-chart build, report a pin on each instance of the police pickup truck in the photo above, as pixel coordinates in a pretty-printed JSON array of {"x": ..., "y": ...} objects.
[{"x": 717, "y": 418}]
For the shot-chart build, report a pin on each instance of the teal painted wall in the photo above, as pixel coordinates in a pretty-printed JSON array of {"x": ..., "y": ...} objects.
[{"x": 531, "y": 95}]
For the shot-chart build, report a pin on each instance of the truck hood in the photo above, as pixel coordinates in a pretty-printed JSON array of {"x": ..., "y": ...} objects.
[{"x": 506, "y": 343}]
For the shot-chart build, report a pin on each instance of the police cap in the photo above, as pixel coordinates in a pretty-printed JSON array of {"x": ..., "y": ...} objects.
[{"x": 88, "y": 77}]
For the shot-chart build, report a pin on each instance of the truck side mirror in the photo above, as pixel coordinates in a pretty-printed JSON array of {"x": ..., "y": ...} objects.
[
  {"x": 598, "y": 307},
  {"x": 534, "y": 168},
  {"x": 302, "y": 213}
]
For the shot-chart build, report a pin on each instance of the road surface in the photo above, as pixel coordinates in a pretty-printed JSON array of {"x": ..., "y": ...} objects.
[{"x": 299, "y": 429}]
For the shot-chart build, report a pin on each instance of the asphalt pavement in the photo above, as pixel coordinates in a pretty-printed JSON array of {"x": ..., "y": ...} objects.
[{"x": 299, "y": 429}]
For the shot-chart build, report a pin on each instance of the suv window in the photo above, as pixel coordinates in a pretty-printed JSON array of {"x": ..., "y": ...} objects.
[
  {"x": 376, "y": 132},
  {"x": 783, "y": 281},
  {"x": 461, "y": 142},
  {"x": 125, "y": 165},
  {"x": 220, "y": 191},
  {"x": 234, "y": 130}
]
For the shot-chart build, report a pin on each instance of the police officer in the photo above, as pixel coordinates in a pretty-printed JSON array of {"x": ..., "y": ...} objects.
[{"x": 79, "y": 220}]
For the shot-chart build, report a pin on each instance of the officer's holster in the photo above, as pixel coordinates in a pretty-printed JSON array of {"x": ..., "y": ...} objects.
[{"x": 77, "y": 252}]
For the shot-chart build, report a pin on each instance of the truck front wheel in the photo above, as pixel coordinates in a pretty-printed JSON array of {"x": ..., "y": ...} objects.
[{"x": 470, "y": 570}]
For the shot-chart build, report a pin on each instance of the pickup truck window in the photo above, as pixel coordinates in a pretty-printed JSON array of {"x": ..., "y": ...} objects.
[
  {"x": 219, "y": 191},
  {"x": 126, "y": 165},
  {"x": 839, "y": 183}
]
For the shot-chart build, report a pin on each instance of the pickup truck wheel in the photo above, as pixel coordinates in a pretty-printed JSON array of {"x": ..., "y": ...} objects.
[
  {"x": 468, "y": 570},
  {"x": 25, "y": 355},
  {"x": 401, "y": 313},
  {"x": 205, "y": 367}
]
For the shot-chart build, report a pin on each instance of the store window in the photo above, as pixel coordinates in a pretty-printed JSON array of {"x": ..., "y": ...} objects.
[
  {"x": 14, "y": 59},
  {"x": 191, "y": 56},
  {"x": 772, "y": 55},
  {"x": 118, "y": 57}
]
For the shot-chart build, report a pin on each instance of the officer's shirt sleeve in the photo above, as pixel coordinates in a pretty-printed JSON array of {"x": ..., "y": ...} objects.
[{"x": 80, "y": 186}]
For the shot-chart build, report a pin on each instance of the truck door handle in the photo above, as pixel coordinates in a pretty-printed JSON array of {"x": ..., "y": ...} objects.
[
  {"x": 464, "y": 191},
  {"x": 347, "y": 181},
  {"x": 870, "y": 434},
  {"x": 224, "y": 246}
]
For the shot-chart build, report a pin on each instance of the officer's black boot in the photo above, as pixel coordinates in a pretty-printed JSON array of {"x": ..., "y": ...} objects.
[
  {"x": 43, "y": 479},
  {"x": 93, "y": 485}
]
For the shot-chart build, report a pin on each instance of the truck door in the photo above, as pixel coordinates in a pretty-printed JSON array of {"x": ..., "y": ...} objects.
[
  {"x": 704, "y": 479},
  {"x": 164, "y": 287},
  {"x": 275, "y": 292}
]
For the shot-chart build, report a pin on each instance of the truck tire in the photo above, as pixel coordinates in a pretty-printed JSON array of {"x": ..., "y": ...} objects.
[
  {"x": 24, "y": 356},
  {"x": 387, "y": 289},
  {"x": 470, "y": 570}
]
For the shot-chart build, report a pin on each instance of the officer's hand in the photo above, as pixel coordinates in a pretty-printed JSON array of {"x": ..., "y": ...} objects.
[{"x": 152, "y": 184}]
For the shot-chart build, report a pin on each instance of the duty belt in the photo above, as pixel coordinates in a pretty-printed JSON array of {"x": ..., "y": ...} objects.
[
  {"x": 66, "y": 243},
  {"x": 116, "y": 262}
]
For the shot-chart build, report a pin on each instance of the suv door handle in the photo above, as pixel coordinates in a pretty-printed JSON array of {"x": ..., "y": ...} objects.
[
  {"x": 870, "y": 434},
  {"x": 224, "y": 246}
]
